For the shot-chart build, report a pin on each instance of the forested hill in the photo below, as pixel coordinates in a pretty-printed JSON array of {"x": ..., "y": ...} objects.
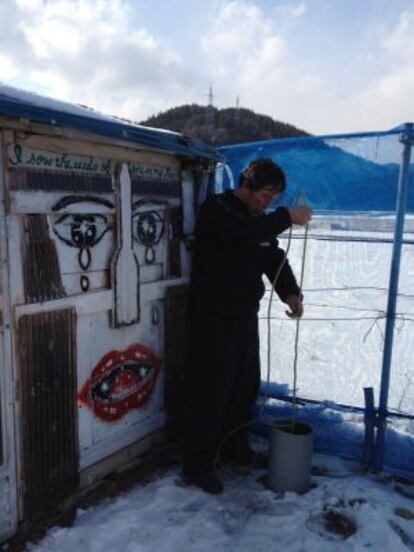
[{"x": 220, "y": 127}]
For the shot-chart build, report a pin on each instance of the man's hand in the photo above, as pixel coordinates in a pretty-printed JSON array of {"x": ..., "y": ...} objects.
[
  {"x": 300, "y": 214},
  {"x": 295, "y": 305}
]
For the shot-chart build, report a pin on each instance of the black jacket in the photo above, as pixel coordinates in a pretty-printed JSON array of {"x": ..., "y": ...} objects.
[{"x": 233, "y": 250}]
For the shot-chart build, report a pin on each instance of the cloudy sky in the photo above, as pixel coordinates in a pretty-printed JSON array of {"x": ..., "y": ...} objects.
[{"x": 326, "y": 66}]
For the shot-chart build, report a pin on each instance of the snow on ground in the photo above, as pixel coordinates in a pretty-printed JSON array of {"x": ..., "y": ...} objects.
[{"x": 344, "y": 511}]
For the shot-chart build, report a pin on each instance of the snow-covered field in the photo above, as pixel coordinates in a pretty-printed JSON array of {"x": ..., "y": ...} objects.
[
  {"x": 340, "y": 352},
  {"x": 344, "y": 511},
  {"x": 342, "y": 333}
]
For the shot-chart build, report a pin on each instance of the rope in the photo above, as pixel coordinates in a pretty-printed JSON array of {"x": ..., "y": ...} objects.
[
  {"x": 269, "y": 308},
  {"x": 296, "y": 345},
  {"x": 295, "y": 362}
]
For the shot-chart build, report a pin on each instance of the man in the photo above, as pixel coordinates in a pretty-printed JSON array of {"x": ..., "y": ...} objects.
[{"x": 234, "y": 246}]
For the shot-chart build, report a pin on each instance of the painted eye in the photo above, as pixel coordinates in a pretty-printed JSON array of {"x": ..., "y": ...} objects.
[
  {"x": 121, "y": 381},
  {"x": 81, "y": 231},
  {"x": 144, "y": 371},
  {"x": 148, "y": 227}
]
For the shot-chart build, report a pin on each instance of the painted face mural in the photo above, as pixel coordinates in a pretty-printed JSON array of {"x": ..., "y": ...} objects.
[
  {"x": 82, "y": 230},
  {"x": 120, "y": 382},
  {"x": 148, "y": 226}
]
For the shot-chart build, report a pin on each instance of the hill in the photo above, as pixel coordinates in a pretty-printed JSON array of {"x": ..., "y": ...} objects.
[{"x": 220, "y": 127}]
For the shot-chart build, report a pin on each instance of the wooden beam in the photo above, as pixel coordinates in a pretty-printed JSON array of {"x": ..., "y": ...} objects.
[
  {"x": 77, "y": 147},
  {"x": 124, "y": 266},
  {"x": 31, "y": 128}
]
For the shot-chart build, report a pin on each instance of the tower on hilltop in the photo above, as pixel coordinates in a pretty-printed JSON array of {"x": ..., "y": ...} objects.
[{"x": 210, "y": 96}]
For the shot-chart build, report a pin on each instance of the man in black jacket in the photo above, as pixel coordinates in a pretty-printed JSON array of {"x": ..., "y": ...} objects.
[{"x": 235, "y": 244}]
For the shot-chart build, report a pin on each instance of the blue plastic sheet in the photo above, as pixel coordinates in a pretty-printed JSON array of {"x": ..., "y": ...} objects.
[{"x": 336, "y": 173}]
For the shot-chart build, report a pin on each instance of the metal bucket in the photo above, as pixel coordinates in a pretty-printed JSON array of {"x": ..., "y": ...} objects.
[{"x": 290, "y": 457}]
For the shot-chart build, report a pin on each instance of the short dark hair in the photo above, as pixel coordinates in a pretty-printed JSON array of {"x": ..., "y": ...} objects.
[{"x": 262, "y": 173}]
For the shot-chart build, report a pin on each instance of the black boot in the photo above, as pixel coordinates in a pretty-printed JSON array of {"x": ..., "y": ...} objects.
[{"x": 207, "y": 482}]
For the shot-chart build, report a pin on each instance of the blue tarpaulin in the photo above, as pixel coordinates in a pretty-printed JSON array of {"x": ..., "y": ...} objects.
[{"x": 354, "y": 172}]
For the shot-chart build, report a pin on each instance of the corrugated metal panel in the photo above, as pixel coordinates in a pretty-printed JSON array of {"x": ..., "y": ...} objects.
[
  {"x": 177, "y": 329},
  {"x": 173, "y": 223},
  {"x": 156, "y": 188},
  {"x": 50, "y": 181},
  {"x": 41, "y": 272},
  {"x": 1, "y": 433},
  {"x": 46, "y": 343}
]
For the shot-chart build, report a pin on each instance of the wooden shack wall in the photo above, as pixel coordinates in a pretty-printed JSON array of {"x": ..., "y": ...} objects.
[{"x": 85, "y": 383}]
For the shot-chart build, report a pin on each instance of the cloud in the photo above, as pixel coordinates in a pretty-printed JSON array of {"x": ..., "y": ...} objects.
[
  {"x": 399, "y": 42},
  {"x": 299, "y": 10},
  {"x": 7, "y": 70},
  {"x": 389, "y": 97},
  {"x": 251, "y": 58},
  {"x": 91, "y": 52},
  {"x": 241, "y": 45},
  {"x": 236, "y": 29}
]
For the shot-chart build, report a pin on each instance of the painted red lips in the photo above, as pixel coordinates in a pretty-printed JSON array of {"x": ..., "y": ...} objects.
[{"x": 121, "y": 381}]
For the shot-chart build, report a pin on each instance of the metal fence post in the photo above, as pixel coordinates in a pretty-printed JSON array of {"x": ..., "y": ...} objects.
[{"x": 407, "y": 139}]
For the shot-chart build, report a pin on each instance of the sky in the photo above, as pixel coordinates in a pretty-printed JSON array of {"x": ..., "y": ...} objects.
[{"x": 326, "y": 66}]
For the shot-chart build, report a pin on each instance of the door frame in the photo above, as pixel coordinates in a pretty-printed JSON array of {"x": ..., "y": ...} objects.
[{"x": 8, "y": 386}]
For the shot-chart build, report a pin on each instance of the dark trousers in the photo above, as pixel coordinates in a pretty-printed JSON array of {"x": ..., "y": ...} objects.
[{"x": 221, "y": 386}]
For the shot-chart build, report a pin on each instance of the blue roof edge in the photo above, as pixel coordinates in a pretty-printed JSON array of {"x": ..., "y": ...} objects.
[{"x": 167, "y": 141}]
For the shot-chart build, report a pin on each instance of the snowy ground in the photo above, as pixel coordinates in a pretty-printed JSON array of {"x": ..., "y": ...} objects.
[{"x": 344, "y": 511}]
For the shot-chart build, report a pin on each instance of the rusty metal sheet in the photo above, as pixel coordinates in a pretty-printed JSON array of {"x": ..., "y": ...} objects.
[
  {"x": 41, "y": 273},
  {"x": 1, "y": 433},
  {"x": 52, "y": 181},
  {"x": 155, "y": 188},
  {"x": 46, "y": 346},
  {"x": 177, "y": 338},
  {"x": 173, "y": 223}
]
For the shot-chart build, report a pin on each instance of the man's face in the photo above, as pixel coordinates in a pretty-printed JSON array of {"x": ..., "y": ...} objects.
[{"x": 258, "y": 201}]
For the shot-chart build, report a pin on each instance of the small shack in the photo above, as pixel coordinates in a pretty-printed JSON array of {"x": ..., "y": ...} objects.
[{"x": 95, "y": 236}]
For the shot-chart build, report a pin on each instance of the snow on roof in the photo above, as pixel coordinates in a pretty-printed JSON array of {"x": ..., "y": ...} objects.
[{"x": 15, "y": 102}]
